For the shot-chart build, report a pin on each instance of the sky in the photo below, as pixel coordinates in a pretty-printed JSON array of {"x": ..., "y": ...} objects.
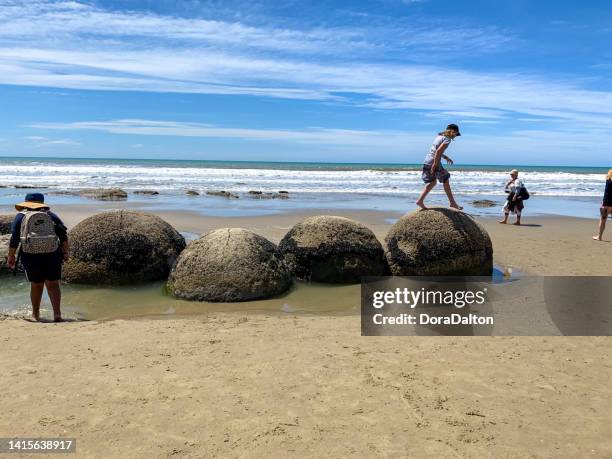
[{"x": 529, "y": 82}]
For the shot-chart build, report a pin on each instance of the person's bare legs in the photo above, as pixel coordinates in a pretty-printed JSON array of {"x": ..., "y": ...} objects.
[
  {"x": 421, "y": 201},
  {"x": 518, "y": 218},
  {"x": 602, "y": 227},
  {"x": 451, "y": 198},
  {"x": 36, "y": 291},
  {"x": 55, "y": 295},
  {"x": 505, "y": 220}
]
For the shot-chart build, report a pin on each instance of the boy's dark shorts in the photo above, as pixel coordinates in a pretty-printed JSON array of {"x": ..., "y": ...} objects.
[
  {"x": 40, "y": 267},
  {"x": 441, "y": 175}
]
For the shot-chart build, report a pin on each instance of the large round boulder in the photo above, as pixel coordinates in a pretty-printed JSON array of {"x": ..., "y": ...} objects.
[
  {"x": 122, "y": 247},
  {"x": 229, "y": 264},
  {"x": 6, "y": 220},
  {"x": 333, "y": 249},
  {"x": 438, "y": 242}
]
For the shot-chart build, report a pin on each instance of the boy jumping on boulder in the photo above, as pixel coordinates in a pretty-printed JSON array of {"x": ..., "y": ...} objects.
[{"x": 433, "y": 170}]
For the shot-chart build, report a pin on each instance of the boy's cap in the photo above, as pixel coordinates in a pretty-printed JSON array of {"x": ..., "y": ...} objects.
[{"x": 33, "y": 201}]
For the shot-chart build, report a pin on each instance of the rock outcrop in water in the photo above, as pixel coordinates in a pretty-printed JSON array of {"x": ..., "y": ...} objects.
[
  {"x": 437, "y": 242},
  {"x": 484, "y": 203},
  {"x": 103, "y": 194},
  {"x": 268, "y": 195},
  {"x": 223, "y": 194},
  {"x": 229, "y": 264},
  {"x": 122, "y": 247},
  {"x": 147, "y": 192},
  {"x": 333, "y": 249},
  {"x": 6, "y": 220}
]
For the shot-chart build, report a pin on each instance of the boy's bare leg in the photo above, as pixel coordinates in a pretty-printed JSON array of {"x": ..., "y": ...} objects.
[
  {"x": 451, "y": 198},
  {"x": 421, "y": 201},
  {"x": 505, "y": 220},
  {"x": 55, "y": 295},
  {"x": 36, "y": 291}
]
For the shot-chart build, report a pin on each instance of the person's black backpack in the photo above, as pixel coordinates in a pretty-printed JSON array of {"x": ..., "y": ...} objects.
[{"x": 523, "y": 194}]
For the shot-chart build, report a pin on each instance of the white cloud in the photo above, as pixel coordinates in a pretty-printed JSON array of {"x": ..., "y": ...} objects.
[
  {"x": 43, "y": 141},
  {"x": 79, "y": 46},
  {"x": 314, "y": 135},
  {"x": 518, "y": 146},
  {"x": 25, "y": 21}
]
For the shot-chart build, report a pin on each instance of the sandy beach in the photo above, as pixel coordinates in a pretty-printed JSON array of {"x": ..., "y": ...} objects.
[{"x": 257, "y": 383}]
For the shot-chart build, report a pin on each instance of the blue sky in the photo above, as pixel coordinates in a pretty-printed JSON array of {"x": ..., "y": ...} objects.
[{"x": 342, "y": 81}]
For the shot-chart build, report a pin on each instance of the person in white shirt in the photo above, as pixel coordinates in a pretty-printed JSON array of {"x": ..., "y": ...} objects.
[
  {"x": 433, "y": 172},
  {"x": 514, "y": 203}
]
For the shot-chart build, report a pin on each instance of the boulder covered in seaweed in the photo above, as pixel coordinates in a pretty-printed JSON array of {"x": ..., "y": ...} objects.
[
  {"x": 332, "y": 249},
  {"x": 438, "y": 242},
  {"x": 122, "y": 247}
]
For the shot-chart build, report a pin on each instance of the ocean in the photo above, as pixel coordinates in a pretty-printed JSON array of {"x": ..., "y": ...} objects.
[{"x": 559, "y": 190}]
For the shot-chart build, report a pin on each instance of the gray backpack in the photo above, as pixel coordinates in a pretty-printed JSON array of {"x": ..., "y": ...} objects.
[{"x": 38, "y": 232}]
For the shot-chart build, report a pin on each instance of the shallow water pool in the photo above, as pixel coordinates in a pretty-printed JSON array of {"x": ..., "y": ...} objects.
[{"x": 81, "y": 302}]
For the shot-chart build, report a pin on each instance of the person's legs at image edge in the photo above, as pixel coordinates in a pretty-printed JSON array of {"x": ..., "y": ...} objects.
[{"x": 602, "y": 223}]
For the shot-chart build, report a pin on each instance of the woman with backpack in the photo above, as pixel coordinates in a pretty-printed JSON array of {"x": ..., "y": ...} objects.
[
  {"x": 42, "y": 240},
  {"x": 517, "y": 193},
  {"x": 606, "y": 207}
]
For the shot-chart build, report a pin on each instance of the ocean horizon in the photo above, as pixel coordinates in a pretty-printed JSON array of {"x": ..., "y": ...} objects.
[{"x": 300, "y": 165}]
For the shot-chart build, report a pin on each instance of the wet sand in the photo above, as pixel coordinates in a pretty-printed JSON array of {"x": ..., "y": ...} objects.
[{"x": 255, "y": 384}]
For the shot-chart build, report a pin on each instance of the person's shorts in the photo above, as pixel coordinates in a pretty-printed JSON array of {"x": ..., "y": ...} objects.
[
  {"x": 441, "y": 175},
  {"x": 40, "y": 267}
]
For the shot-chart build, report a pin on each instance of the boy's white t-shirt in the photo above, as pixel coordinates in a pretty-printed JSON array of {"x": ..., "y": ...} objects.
[{"x": 439, "y": 140}]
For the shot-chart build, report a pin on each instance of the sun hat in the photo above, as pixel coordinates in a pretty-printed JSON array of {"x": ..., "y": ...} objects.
[
  {"x": 33, "y": 201},
  {"x": 453, "y": 127},
  {"x": 514, "y": 171}
]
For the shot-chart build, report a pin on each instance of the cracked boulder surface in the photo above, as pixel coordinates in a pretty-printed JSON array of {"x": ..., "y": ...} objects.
[
  {"x": 438, "y": 242},
  {"x": 333, "y": 249},
  {"x": 122, "y": 247},
  {"x": 229, "y": 265}
]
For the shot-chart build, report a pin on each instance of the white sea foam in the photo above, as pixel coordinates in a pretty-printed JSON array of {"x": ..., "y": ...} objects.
[{"x": 67, "y": 176}]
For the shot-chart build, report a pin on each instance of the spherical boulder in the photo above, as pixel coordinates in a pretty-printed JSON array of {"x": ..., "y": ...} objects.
[
  {"x": 227, "y": 265},
  {"x": 438, "y": 242},
  {"x": 333, "y": 249},
  {"x": 6, "y": 220},
  {"x": 122, "y": 247}
]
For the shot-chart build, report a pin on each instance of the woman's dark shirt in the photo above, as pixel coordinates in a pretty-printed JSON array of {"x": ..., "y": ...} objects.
[
  {"x": 60, "y": 229},
  {"x": 607, "y": 200}
]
